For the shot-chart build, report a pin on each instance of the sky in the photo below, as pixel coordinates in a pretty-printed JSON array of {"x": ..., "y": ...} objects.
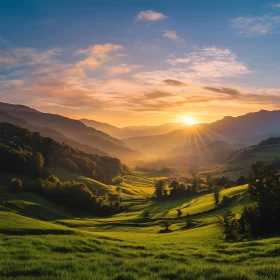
[{"x": 141, "y": 62}]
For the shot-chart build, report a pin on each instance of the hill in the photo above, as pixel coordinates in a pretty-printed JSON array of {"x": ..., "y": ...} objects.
[
  {"x": 133, "y": 131},
  {"x": 28, "y": 153},
  {"x": 246, "y": 130},
  {"x": 72, "y": 129},
  {"x": 239, "y": 162}
]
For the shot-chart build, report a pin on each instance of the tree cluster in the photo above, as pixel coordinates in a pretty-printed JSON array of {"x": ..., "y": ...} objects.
[
  {"x": 22, "y": 151},
  {"x": 74, "y": 194},
  {"x": 264, "y": 217}
]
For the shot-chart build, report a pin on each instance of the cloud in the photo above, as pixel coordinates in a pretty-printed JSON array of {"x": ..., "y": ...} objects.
[
  {"x": 203, "y": 64},
  {"x": 177, "y": 61},
  {"x": 229, "y": 91},
  {"x": 253, "y": 26},
  {"x": 157, "y": 94},
  {"x": 172, "y": 35},
  {"x": 174, "y": 83},
  {"x": 114, "y": 70},
  {"x": 150, "y": 15},
  {"x": 27, "y": 56},
  {"x": 97, "y": 55},
  {"x": 276, "y": 5}
]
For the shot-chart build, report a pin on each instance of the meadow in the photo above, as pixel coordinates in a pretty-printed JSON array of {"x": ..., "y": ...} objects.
[{"x": 41, "y": 240}]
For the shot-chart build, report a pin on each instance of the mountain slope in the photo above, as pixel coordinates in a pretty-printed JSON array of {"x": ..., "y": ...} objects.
[
  {"x": 72, "y": 129},
  {"x": 48, "y": 132},
  {"x": 133, "y": 131},
  {"x": 248, "y": 129}
]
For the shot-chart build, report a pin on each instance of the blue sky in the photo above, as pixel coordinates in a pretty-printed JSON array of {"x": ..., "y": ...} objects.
[{"x": 141, "y": 62}]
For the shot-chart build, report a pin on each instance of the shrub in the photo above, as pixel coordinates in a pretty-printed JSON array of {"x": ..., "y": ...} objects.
[
  {"x": 15, "y": 185},
  {"x": 228, "y": 224}
]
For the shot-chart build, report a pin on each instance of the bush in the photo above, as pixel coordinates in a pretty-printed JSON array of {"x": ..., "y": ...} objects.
[
  {"x": 15, "y": 185},
  {"x": 228, "y": 224}
]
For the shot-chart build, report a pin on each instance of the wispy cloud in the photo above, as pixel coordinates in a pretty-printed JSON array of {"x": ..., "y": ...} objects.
[
  {"x": 253, "y": 26},
  {"x": 276, "y": 5},
  {"x": 27, "y": 56},
  {"x": 96, "y": 55},
  {"x": 234, "y": 93},
  {"x": 204, "y": 64},
  {"x": 175, "y": 61},
  {"x": 174, "y": 83},
  {"x": 150, "y": 15},
  {"x": 172, "y": 35}
]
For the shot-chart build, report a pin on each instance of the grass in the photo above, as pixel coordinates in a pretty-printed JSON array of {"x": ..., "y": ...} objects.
[{"x": 61, "y": 243}]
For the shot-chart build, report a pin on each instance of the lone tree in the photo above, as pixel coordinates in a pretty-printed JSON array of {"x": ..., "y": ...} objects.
[
  {"x": 209, "y": 181},
  {"x": 15, "y": 185},
  {"x": 119, "y": 190},
  {"x": 217, "y": 196},
  {"x": 228, "y": 224},
  {"x": 196, "y": 181},
  {"x": 146, "y": 214},
  {"x": 159, "y": 188},
  {"x": 179, "y": 213},
  {"x": 166, "y": 225}
]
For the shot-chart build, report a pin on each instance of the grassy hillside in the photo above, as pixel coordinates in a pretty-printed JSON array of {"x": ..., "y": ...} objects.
[
  {"x": 239, "y": 162},
  {"x": 41, "y": 240}
]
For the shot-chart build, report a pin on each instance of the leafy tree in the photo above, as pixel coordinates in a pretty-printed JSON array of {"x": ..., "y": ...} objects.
[
  {"x": 242, "y": 180},
  {"x": 179, "y": 213},
  {"x": 217, "y": 196},
  {"x": 264, "y": 188},
  {"x": 209, "y": 181},
  {"x": 38, "y": 160},
  {"x": 15, "y": 185},
  {"x": 166, "y": 224},
  {"x": 196, "y": 181},
  {"x": 228, "y": 224},
  {"x": 146, "y": 214},
  {"x": 119, "y": 190},
  {"x": 159, "y": 188}
]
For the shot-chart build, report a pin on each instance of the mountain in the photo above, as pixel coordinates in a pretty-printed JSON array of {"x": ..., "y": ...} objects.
[
  {"x": 72, "y": 129},
  {"x": 247, "y": 129},
  {"x": 30, "y": 154},
  {"x": 240, "y": 161},
  {"x": 48, "y": 132},
  {"x": 133, "y": 131},
  {"x": 250, "y": 128},
  {"x": 105, "y": 127}
]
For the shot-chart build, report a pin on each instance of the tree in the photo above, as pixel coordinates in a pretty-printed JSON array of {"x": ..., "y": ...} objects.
[
  {"x": 119, "y": 190},
  {"x": 15, "y": 185},
  {"x": 159, "y": 188},
  {"x": 38, "y": 160},
  {"x": 242, "y": 180},
  {"x": 264, "y": 188},
  {"x": 146, "y": 214},
  {"x": 166, "y": 225},
  {"x": 196, "y": 181},
  {"x": 217, "y": 196},
  {"x": 179, "y": 213},
  {"x": 228, "y": 224},
  {"x": 209, "y": 181}
]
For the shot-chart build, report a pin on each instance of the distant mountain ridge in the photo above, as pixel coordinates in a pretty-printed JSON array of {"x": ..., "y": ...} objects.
[
  {"x": 133, "y": 131},
  {"x": 70, "y": 129}
]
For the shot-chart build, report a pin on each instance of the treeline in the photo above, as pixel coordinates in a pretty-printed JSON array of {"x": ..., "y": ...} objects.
[
  {"x": 165, "y": 189},
  {"x": 163, "y": 170},
  {"x": 72, "y": 194},
  {"x": 264, "y": 217},
  {"x": 22, "y": 151},
  {"x": 270, "y": 141}
]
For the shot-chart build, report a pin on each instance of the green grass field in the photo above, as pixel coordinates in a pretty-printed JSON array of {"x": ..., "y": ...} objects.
[{"x": 41, "y": 240}]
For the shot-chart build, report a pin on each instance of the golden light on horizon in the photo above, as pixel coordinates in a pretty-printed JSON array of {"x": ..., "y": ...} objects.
[{"x": 189, "y": 120}]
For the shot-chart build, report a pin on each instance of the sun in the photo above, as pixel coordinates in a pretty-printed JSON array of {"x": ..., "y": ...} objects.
[{"x": 189, "y": 120}]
